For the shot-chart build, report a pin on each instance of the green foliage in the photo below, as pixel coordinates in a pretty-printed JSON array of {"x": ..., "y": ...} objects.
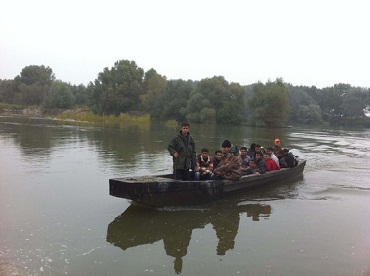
[
  {"x": 174, "y": 99},
  {"x": 171, "y": 123},
  {"x": 60, "y": 96},
  {"x": 269, "y": 104},
  {"x": 124, "y": 88},
  {"x": 154, "y": 87},
  {"x": 7, "y": 91},
  {"x": 304, "y": 109},
  {"x": 32, "y": 94},
  {"x": 35, "y": 74},
  {"x": 106, "y": 119},
  {"x": 33, "y": 84},
  {"x": 355, "y": 100},
  {"x": 309, "y": 114},
  {"x": 80, "y": 94},
  {"x": 215, "y": 100},
  {"x": 208, "y": 115},
  {"x": 116, "y": 90},
  {"x": 10, "y": 106},
  {"x": 228, "y": 114}
]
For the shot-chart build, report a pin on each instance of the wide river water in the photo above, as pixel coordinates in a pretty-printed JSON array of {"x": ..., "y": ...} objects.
[{"x": 57, "y": 217}]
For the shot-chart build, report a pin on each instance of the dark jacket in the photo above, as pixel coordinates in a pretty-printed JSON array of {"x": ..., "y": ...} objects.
[
  {"x": 287, "y": 161},
  {"x": 282, "y": 162},
  {"x": 185, "y": 147},
  {"x": 290, "y": 160},
  {"x": 261, "y": 165}
]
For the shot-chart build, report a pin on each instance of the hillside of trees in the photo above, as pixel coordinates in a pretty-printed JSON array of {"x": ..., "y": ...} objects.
[{"x": 127, "y": 88}]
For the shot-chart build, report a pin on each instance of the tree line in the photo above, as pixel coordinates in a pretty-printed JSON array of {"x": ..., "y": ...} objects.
[{"x": 127, "y": 88}]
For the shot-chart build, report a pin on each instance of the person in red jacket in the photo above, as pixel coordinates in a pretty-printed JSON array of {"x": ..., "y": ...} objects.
[{"x": 270, "y": 164}]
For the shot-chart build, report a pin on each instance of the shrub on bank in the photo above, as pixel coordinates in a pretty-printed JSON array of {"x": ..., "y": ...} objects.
[{"x": 106, "y": 119}]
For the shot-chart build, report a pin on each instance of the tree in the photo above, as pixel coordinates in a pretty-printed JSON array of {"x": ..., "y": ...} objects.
[
  {"x": 7, "y": 93},
  {"x": 117, "y": 90},
  {"x": 304, "y": 109},
  {"x": 154, "y": 87},
  {"x": 269, "y": 104},
  {"x": 33, "y": 84},
  {"x": 354, "y": 102},
  {"x": 60, "y": 96},
  {"x": 80, "y": 94},
  {"x": 309, "y": 114},
  {"x": 194, "y": 108},
  {"x": 332, "y": 100},
  {"x": 221, "y": 101},
  {"x": 175, "y": 98},
  {"x": 35, "y": 74}
]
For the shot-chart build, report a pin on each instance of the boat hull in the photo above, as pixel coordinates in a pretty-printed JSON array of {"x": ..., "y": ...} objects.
[{"x": 162, "y": 190}]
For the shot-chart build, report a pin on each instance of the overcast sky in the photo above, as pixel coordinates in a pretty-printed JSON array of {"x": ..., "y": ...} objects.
[{"x": 305, "y": 42}]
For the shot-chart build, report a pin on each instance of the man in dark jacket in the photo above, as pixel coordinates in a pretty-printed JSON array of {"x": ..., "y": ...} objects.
[
  {"x": 261, "y": 163},
  {"x": 286, "y": 160},
  {"x": 182, "y": 149}
]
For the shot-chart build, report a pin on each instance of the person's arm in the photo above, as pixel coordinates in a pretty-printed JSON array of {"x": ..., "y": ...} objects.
[
  {"x": 210, "y": 165},
  {"x": 261, "y": 167},
  {"x": 172, "y": 147},
  {"x": 197, "y": 166},
  {"x": 283, "y": 163}
]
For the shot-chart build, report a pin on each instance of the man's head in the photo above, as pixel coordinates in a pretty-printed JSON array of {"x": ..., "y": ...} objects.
[
  {"x": 204, "y": 152},
  {"x": 267, "y": 156},
  {"x": 258, "y": 148},
  {"x": 252, "y": 163},
  {"x": 270, "y": 150},
  {"x": 185, "y": 128},
  {"x": 277, "y": 142},
  {"x": 259, "y": 155},
  {"x": 226, "y": 145},
  {"x": 218, "y": 154},
  {"x": 243, "y": 151},
  {"x": 280, "y": 153}
]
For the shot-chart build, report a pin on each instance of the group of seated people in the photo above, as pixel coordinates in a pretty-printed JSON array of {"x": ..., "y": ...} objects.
[{"x": 232, "y": 163}]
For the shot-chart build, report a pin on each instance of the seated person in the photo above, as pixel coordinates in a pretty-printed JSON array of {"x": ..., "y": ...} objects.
[
  {"x": 204, "y": 166},
  {"x": 261, "y": 163},
  {"x": 289, "y": 158},
  {"x": 277, "y": 145},
  {"x": 270, "y": 164},
  {"x": 229, "y": 165},
  {"x": 252, "y": 168},
  {"x": 258, "y": 148},
  {"x": 217, "y": 158},
  {"x": 244, "y": 159},
  {"x": 270, "y": 151},
  {"x": 251, "y": 150},
  {"x": 286, "y": 159}
]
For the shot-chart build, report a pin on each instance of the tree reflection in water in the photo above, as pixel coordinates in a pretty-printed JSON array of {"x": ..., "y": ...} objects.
[{"x": 137, "y": 226}]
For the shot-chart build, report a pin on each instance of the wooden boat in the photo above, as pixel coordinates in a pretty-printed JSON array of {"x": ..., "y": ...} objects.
[{"x": 163, "y": 190}]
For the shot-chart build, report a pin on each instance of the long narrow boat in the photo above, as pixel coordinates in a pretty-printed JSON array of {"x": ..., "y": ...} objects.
[{"x": 163, "y": 190}]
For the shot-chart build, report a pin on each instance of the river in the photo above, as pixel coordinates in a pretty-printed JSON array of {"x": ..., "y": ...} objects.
[{"x": 57, "y": 217}]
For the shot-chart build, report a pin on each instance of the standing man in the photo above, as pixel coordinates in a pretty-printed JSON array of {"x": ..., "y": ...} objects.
[{"x": 182, "y": 149}]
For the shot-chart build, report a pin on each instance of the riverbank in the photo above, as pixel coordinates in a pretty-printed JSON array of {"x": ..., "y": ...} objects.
[{"x": 38, "y": 111}]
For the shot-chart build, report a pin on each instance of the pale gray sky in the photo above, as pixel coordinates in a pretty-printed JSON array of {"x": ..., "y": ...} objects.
[{"x": 306, "y": 42}]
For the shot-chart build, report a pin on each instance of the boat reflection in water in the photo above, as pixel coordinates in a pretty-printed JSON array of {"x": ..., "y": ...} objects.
[{"x": 137, "y": 226}]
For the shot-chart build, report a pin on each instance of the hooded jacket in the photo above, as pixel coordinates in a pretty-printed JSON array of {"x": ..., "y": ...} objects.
[{"x": 185, "y": 147}]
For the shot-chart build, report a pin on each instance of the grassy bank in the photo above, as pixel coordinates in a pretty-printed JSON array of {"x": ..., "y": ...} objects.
[{"x": 106, "y": 119}]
